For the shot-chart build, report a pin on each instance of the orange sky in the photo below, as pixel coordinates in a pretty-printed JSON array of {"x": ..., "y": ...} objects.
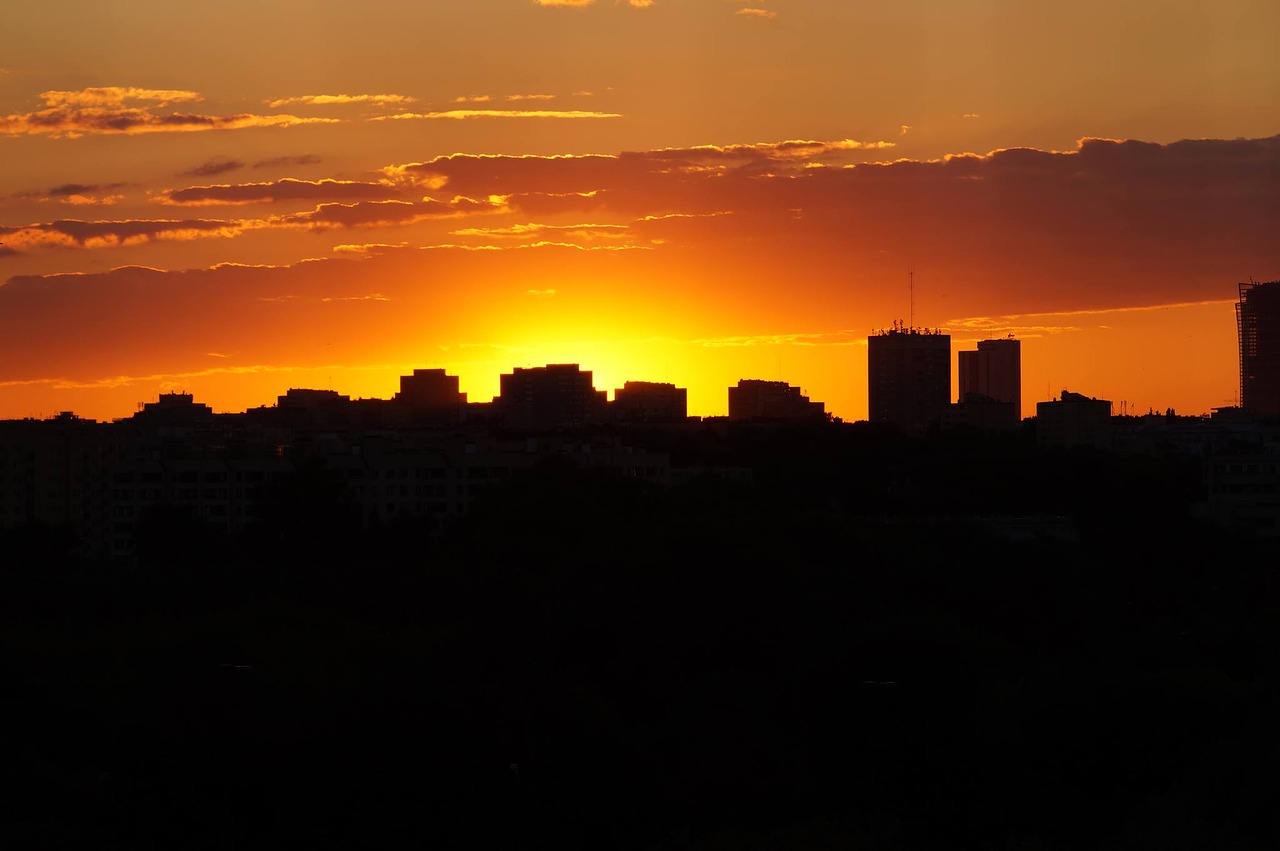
[{"x": 683, "y": 190}]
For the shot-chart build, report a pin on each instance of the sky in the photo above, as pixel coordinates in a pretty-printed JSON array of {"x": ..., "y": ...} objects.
[{"x": 239, "y": 198}]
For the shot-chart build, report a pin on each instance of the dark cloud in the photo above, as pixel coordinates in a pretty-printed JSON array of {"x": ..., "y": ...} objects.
[
  {"x": 287, "y": 189},
  {"x": 74, "y": 121},
  {"x": 299, "y": 159},
  {"x": 73, "y": 189},
  {"x": 1110, "y": 223},
  {"x": 213, "y": 167},
  {"x": 389, "y": 213},
  {"x": 73, "y": 233}
]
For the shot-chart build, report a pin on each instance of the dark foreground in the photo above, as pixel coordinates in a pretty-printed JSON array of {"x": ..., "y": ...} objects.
[{"x": 591, "y": 664}]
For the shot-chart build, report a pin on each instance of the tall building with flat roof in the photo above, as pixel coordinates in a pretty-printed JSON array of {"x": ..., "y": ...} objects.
[
  {"x": 1258, "y": 324},
  {"x": 908, "y": 377},
  {"x": 993, "y": 371}
]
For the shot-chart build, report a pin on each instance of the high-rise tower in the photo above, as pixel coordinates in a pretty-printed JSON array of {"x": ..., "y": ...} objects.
[
  {"x": 1258, "y": 322},
  {"x": 908, "y": 377},
  {"x": 994, "y": 371}
]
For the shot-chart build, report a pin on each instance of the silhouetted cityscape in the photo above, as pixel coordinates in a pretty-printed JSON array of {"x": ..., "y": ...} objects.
[
  {"x": 428, "y": 451},
  {"x": 552, "y": 619}
]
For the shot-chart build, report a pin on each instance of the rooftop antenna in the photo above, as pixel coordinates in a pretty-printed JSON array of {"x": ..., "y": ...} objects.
[{"x": 911, "y": 290}]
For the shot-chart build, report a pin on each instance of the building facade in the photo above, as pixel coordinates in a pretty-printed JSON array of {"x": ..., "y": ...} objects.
[
  {"x": 753, "y": 399},
  {"x": 559, "y": 395},
  {"x": 993, "y": 371},
  {"x": 1073, "y": 419},
  {"x": 650, "y": 402},
  {"x": 908, "y": 377},
  {"x": 1258, "y": 325}
]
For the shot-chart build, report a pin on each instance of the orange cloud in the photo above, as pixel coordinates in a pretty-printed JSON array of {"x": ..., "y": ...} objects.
[
  {"x": 531, "y": 97},
  {"x": 388, "y": 213},
  {"x": 570, "y": 3},
  {"x": 286, "y": 189},
  {"x": 108, "y": 111},
  {"x": 71, "y": 233},
  {"x": 763, "y": 14},
  {"x": 113, "y": 234},
  {"x": 367, "y": 248},
  {"x": 459, "y": 114},
  {"x": 328, "y": 100},
  {"x": 526, "y": 231},
  {"x": 92, "y": 200},
  {"x": 116, "y": 95}
]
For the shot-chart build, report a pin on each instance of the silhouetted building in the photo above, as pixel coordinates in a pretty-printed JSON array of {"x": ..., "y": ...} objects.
[
  {"x": 55, "y": 472},
  {"x": 430, "y": 396},
  {"x": 559, "y": 395},
  {"x": 1258, "y": 324},
  {"x": 321, "y": 410},
  {"x": 174, "y": 409},
  {"x": 650, "y": 402},
  {"x": 993, "y": 371},
  {"x": 980, "y": 411},
  {"x": 1244, "y": 492},
  {"x": 1073, "y": 420},
  {"x": 908, "y": 377},
  {"x": 773, "y": 400}
]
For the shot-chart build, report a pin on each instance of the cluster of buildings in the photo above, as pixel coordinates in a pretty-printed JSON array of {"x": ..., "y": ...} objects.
[{"x": 427, "y": 452}]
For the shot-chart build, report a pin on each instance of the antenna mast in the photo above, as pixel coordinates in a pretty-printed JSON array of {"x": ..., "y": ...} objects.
[{"x": 911, "y": 289}]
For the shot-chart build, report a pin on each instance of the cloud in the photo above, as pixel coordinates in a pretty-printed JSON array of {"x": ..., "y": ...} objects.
[
  {"x": 790, "y": 149},
  {"x": 369, "y": 248},
  {"x": 569, "y": 182},
  {"x": 640, "y": 4},
  {"x": 73, "y": 233},
  {"x": 115, "y": 96},
  {"x": 569, "y": 3},
  {"x": 286, "y": 189},
  {"x": 531, "y": 97},
  {"x": 389, "y": 213},
  {"x": 585, "y": 232},
  {"x": 329, "y": 100},
  {"x": 472, "y": 99},
  {"x": 81, "y": 200},
  {"x": 297, "y": 159},
  {"x": 213, "y": 167},
  {"x": 115, "y": 110},
  {"x": 459, "y": 114},
  {"x": 760, "y": 14},
  {"x": 1104, "y": 221},
  {"x": 82, "y": 189}
]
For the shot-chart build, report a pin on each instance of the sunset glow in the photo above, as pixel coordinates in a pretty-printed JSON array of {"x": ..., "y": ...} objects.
[{"x": 691, "y": 191}]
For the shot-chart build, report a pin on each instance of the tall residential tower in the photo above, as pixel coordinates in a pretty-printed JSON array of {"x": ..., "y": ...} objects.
[
  {"x": 993, "y": 371},
  {"x": 1258, "y": 322},
  {"x": 908, "y": 377}
]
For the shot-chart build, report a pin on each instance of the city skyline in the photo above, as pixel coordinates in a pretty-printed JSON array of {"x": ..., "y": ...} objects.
[
  {"x": 913, "y": 392},
  {"x": 680, "y": 190}
]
